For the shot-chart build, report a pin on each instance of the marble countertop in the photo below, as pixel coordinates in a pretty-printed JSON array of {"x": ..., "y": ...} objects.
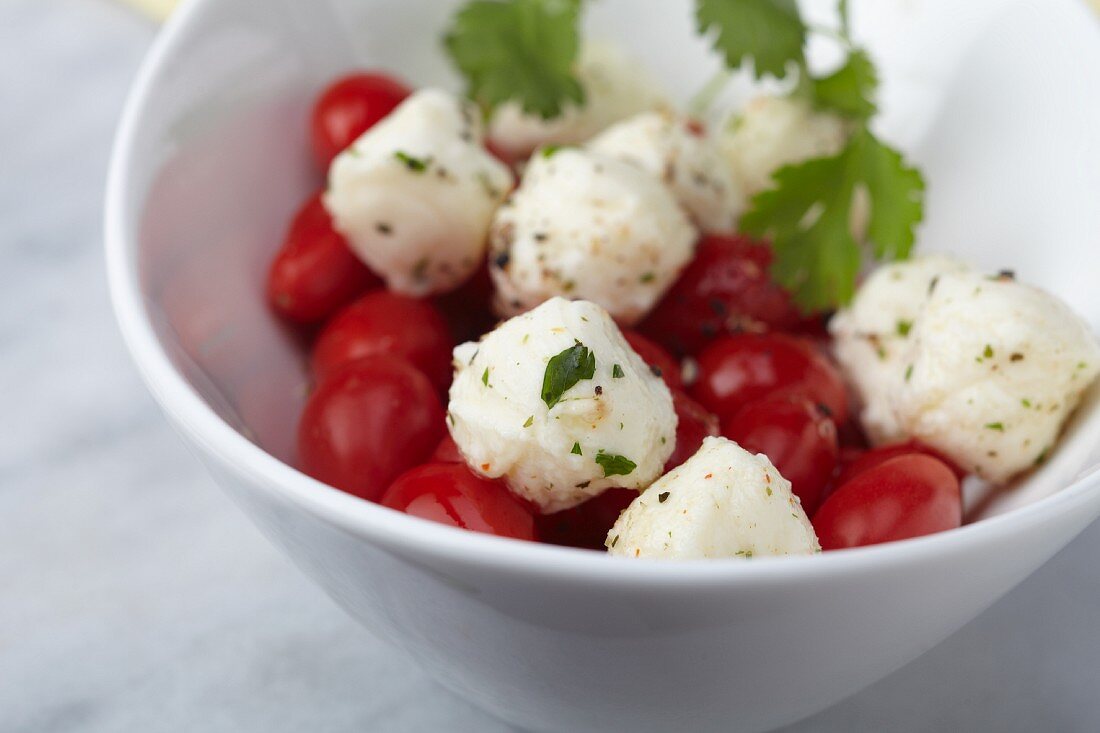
[{"x": 135, "y": 597}]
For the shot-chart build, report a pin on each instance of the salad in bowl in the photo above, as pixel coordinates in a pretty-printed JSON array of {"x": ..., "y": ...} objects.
[
  {"x": 559, "y": 308},
  {"x": 674, "y": 289}
]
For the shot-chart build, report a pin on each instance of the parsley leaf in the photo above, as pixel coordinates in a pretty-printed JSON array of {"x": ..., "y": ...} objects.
[
  {"x": 613, "y": 465},
  {"x": 807, "y": 216},
  {"x": 564, "y": 370},
  {"x": 850, "y": 89},
  {"x": 522, "y": 50},
  {"x": 770, "y": 32}
]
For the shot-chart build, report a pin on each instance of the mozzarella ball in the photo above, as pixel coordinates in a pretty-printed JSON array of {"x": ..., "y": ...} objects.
[
  {"x": 872, "y": 337},
  {"x": 685, "y": 158},
  {"x": 773, "y": 132},
  {"x": 996, "y": 368},
  {"x": 615, "y": 88},
  {"x": 586, "y": 226},
  {"x": 520, "y": 411},
  {"x": 723, "y": 502},
  {"x": 414, "y": 194}
]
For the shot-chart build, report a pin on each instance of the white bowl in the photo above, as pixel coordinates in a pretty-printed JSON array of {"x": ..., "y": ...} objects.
[{"x": 212, "y": 158}]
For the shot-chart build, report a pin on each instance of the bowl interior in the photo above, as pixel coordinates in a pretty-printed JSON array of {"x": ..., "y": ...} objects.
[{"x": 997, "y": 120}]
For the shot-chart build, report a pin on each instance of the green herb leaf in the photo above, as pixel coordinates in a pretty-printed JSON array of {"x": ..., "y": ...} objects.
[
  {"x": 617, "y": 372},
  {"x": 530, "y": 421},
  {"x": 521, "y": 50},
  {"x": 613, "y": 465},
  {"x": 807, "y": 216},
  {"x": 416, "y": 165},
  {"x": 850, "y": 89},
  {"x": 485, "y": 377},
  {"x": 566, "y": 369},
  {"x": 904, "y": 327},
  {"x": 576, "y": 449},
  {"x": 770, "y": 32}
]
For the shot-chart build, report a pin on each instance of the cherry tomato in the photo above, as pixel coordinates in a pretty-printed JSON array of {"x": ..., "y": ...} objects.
[
  {"x": 725, "y": 289},
  {"x": 585, "y": 526},
  {"x": 314, "y": 273},
  {"x": 447, "y": 451},
  {"x": 869, "y": 459},
  {"x": 694, "y": 423},
  {"x": 387, "y": 323},
  {"x": 368, "y": 422},
  {"x": 468, "y": 310},
  {"x": 451, "y": 494},
  {"x": 660, "y": 361},
  {"x": 903, "y": 497},
  {"x": 799, "y": 441},
  {"x": 350, "y": 107},
  {"x": 735, "y": 370}
]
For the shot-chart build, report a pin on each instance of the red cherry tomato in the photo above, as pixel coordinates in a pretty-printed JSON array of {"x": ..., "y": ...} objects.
[
  {"x": 386, "y": 323},
  {"x": 468, "y": 310},
  {"x": 451, "y": 494},
  {"x": 585, "y": 526},
  {"x": 447, "y": 451},
  {"x": 367, "y": 423},
  {"x": 694, "y": 423},
  {"x": 869, "y": 459},
  {"x": 735, "y": 370},
  {"x": 903, "y": 497},
  {"x": 350, "y": 107},
  {"x": 794, "y": 435},
  {"x": 725, "y": 289},
  {"x": 314, "y": 273},
  {"x": 660, "y": 361}
]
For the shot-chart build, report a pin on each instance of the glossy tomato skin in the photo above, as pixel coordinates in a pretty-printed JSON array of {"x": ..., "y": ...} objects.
[
  {"x": 349, "y": 107},
  {"x": 382, "y": 322},
  {"x": 451, "y": 494},
  {"x": 735, "y": 370},
  {"x": 795, "y": 436},
  {"x": 693, "y": 423},
  {"x": 902, "y": 497},
  {"x": 869, "y": 459},
  {"x": 314, "y": 273},
  {"x": 660, "y": 361},
  {"x": 367, "y": 423},
  {"x": 725, "y": 289},
  {"x": 585, "y": 526},
  {"x": 447, "y": 451}
]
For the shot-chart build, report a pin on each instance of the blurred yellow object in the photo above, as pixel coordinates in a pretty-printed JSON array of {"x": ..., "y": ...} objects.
[{"x": 158, "y": 9}]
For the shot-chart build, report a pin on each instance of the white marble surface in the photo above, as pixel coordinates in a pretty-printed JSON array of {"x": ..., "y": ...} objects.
[{"x": 134, "y": 596}]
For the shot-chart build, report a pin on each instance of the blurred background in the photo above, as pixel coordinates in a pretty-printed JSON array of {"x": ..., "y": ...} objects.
[{"x": 135, "y": 597}]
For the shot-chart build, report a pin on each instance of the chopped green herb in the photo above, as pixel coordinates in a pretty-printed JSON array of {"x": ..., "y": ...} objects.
[
  {"x": 615, "y": 541},
  {"x": 566, "y": 369},
  {"x": 450, "y": 418},
  {"x": 908, "y": 372},
  {"x": 904, "y": 327},
  {"x": 576, "y": 449},
  {"x": 744, "y": 553},
  {"x": 1042, "y": 457},
  {"x": 548, "y": 151},
  {"x": 617, "y": 372},
  {"x": 662, "y": 497},
  {"x": 416, "y": 165},
  {"x": 1026, "y": 402},
  {"x": 485, "y": 377},
  {"x": 583, "y": 484},
  {"x": 530, "y": 422},
  {"x": 768, "y": 490},
  {"x": 647, "y": 277},
  {"x": 998, "y": 426},
  {"x": 614, "y": 465},
  {"x": 988, "y": 352}
]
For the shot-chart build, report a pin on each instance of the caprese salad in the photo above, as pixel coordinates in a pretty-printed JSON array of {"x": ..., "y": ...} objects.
[{"x": 557, "y": 308}]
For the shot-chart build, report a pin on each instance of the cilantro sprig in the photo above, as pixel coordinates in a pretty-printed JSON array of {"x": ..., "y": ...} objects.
[
  {"x": 809, "y": 212},
  {"x": 519, "y": 50},
  {"x": 565, "y": 370}
]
